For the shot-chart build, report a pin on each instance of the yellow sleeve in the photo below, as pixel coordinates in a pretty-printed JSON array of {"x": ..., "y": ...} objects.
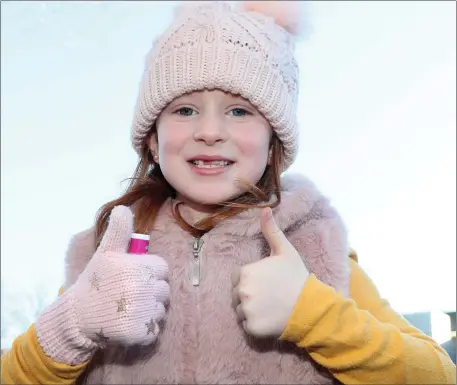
[
  {"x": 362, "y": 340},
  {"x": 26, "y": 363}
]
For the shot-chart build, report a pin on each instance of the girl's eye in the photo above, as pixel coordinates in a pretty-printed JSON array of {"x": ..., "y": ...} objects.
[
  {"x": 185, "y": 111},
  {"x": 239, "y": 112}
]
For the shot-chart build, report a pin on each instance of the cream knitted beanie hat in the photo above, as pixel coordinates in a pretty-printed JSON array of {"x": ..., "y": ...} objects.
[{"x": 247, "y": 50}]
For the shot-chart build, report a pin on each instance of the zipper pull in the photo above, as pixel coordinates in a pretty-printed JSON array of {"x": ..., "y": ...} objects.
[{"x": 196, "y": 249}]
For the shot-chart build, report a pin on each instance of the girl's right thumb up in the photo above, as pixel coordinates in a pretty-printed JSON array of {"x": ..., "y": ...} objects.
[{"x": 119, "y": 230}]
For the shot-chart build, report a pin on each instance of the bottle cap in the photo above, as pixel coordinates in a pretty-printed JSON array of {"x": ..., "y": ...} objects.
[{"x": 144, "y": 237}]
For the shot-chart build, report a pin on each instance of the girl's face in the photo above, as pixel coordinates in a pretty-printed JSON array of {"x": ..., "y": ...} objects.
[{"x": 207, "y": 140}]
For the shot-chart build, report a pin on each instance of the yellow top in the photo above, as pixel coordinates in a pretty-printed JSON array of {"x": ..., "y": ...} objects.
[{"x": 360, "y": 340}]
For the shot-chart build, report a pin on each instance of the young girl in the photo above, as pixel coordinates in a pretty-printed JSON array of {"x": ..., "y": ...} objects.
[{"x": 248, "y": 278}]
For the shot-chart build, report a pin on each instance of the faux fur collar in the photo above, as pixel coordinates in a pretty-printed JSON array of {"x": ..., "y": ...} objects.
[{"x": 300, "y": 199}]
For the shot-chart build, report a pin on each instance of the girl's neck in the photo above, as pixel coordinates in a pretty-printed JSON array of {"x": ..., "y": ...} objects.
[{"x": 193, "y": 212}]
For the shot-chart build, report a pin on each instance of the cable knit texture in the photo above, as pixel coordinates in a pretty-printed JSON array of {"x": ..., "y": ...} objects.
[
  {"x": 212, "y": 46},
  {"x": 118, "y": 299}
]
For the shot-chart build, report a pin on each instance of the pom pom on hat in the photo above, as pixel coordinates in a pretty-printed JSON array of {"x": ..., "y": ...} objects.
[
  {"x": 287, "y": 14},
  {"x": 183, "y": 7}
]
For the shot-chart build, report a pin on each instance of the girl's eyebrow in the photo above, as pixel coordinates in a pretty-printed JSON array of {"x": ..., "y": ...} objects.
[
  {"x": 239, "y": 98},
  {"x": 181, "y": 100}
]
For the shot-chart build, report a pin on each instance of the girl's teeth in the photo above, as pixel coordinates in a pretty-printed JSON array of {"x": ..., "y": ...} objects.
[{"x": 212, "y": 164}]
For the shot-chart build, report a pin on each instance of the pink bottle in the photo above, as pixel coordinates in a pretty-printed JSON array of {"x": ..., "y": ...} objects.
[{"x": 139, "y": 244}]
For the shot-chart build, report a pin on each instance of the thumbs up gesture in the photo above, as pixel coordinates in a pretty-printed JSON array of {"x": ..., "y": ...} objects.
[
  {"x": 265, "y": 292},
  {"x": 118, "y": 299}
]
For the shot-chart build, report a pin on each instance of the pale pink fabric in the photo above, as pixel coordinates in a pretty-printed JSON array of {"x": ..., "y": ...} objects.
[
  {"x": 211, "y": 45},
  {"x": 201, "y": 341},
  {"x": 118, "y": 299}
]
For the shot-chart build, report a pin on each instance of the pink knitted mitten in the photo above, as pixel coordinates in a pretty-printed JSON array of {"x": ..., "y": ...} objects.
[{"x": 118, "y": 299}]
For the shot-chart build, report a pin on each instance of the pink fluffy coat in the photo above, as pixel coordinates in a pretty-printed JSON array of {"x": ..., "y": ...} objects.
[{"x": 201, "y": 342}]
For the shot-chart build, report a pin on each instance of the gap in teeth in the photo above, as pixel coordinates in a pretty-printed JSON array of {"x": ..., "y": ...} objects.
[{"x": 210, "y": 164}]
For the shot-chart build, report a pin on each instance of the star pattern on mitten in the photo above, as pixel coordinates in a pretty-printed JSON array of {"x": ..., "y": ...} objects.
[
  {"x": 94, "y": 281},
  {"x": 147, "y": 273},
  {"x": 101, "y": 339},
  {"x": 122, "y": 305},
  {"x": 151, "y": 325}
]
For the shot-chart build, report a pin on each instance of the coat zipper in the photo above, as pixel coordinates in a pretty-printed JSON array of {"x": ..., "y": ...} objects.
[{"x": 196, "y": 267}]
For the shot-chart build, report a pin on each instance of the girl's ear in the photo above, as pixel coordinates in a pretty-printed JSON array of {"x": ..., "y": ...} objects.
[
  {"x": 154, "y": 147},
  {"x": 270, "y": 156}
]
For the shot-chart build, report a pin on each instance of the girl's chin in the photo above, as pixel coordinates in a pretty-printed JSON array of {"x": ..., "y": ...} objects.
[{"x": 204, "y": 200}]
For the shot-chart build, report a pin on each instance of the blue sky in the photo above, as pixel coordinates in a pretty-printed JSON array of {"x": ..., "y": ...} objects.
[{"x": 377, "y": 113}]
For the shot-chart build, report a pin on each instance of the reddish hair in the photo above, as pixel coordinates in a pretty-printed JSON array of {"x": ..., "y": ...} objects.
[{"x": 148, "y": 190}]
